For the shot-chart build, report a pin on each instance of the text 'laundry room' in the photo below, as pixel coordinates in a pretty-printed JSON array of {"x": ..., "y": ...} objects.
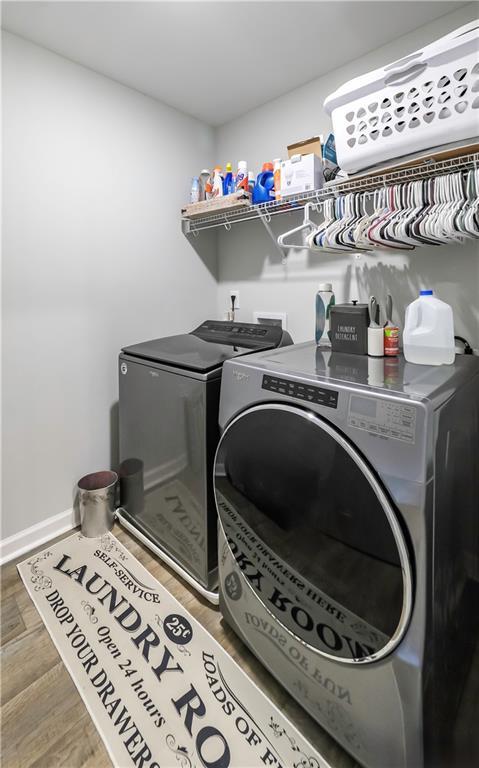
[{"x": 240, "y": 384}]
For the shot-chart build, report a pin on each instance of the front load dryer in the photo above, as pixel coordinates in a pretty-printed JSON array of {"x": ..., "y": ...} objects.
[{"x": 347, "y": 493}]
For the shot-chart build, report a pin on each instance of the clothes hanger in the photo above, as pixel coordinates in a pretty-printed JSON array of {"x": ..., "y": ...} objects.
[
  {"x": 332, "y": 234},
  {"x": 456, "y": 204},
  {"x": 432, "y": 224},
  {"x": 315, "y": 240},
  {"x": 461, "y": 182},
  {"x": 389, "y": 231},
  {"x": 417, "y": 229},
  {"x": 323, "y": 239},
  {"x": 434, "y": 211},
  {"x": 380, "y": 210},
  {"x": 346, "y": 234},
  {"x": 307, "y": 224},
  {"x": 379, "y": 233},
  {"x": 362, "y": 223},
  {"x": 471, "y": 222},
  {"x": 413, "y": 205}
]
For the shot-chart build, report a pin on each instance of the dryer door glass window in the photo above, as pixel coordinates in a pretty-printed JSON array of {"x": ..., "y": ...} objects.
[{"x": 313, "y": 532}]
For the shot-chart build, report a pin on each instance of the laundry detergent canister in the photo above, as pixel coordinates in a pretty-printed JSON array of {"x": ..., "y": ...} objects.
[
  {"x": 263, "y": 191},
  {"x": 349, "y": 328}
]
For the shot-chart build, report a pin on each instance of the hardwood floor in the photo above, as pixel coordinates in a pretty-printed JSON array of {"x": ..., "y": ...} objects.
[{"x": 44, "y": 723}]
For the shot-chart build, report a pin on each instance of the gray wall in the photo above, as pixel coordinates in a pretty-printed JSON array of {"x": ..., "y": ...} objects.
[
  {"x": 248, "y": 260},
  {"x": 94, "y": 175}
]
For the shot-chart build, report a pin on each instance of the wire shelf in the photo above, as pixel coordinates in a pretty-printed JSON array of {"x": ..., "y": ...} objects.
[{"x": 265, "y": 211}]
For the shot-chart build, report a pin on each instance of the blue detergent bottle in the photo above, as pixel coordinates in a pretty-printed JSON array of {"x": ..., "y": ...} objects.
[
  {"x": 228, "y": 181},
  {"x": 263, "y": 191}
]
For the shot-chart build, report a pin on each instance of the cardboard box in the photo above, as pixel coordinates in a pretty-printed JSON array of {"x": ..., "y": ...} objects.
[
  {"x": 301, "y": 174},
  {"x": 306, "y": 147}
]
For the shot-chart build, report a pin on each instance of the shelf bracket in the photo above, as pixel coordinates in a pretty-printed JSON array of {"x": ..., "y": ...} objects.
[{"x": 266, "y": 218}]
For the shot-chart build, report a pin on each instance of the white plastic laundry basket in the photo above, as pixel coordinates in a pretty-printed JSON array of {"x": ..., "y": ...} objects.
[{"x": 423, "y": 100}]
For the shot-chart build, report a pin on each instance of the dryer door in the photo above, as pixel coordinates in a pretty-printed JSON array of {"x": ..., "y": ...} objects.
[{"x": 313, "y": 532}]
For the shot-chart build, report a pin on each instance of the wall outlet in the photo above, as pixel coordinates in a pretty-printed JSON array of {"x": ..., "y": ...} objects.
[
  {"x": 236, "y": 295},
  {"x": 271, "y": 318}
]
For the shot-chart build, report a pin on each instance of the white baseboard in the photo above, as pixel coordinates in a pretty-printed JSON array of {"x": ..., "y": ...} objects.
[{"x": 32, "y": 537}]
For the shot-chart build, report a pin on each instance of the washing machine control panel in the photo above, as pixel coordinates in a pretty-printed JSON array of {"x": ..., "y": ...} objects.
[{"x": 308, "y": 392}]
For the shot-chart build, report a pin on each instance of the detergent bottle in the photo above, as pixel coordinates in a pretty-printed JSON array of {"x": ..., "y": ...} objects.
[
  {"x": 277, "y": 178},
  {"x": 209, "y": 184},
  {"x": 217, "y": 182},
  {"x": 264, "y": 188},
  {"x": 206, "y": 184},
  {"x": 242, "y": 176},
  {"x": 195, "y": 190},
  {"x": 228, "y": 181}
]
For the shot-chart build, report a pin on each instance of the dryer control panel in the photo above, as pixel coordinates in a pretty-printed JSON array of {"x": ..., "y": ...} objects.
[
  {"x": 308, "y": 392},
  {"x": 386, "y": 418}
]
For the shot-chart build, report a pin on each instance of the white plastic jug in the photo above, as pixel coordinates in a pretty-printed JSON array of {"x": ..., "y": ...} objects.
[{"x": 428, "y": 337}]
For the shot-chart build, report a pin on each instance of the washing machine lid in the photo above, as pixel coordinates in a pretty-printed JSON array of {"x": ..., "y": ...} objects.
[{"x": 209, "y": 345}]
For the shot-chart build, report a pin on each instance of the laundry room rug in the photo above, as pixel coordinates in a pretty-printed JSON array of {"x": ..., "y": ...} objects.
[{"x": 159, "y": 688}]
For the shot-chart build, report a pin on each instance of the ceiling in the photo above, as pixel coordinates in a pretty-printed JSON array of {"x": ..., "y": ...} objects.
[{"x": 215, "y": 60}]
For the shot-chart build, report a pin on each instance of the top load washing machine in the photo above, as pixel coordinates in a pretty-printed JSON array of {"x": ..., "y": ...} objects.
[
  {"x": 169, "y": 394},
  {"x": 348, "y": 545}
]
